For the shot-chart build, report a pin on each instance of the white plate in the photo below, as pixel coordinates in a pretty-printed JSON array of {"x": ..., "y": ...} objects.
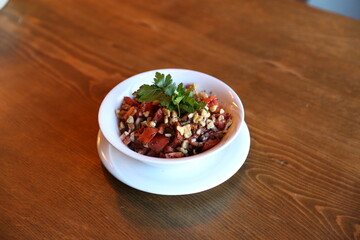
[{"x": 188, "y": 180}]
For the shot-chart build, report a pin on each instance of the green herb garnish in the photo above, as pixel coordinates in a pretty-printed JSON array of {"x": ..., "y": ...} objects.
[{"x": 169, "y": 95}]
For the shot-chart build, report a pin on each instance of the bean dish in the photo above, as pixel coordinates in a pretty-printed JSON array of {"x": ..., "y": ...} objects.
[{"x": 154, "y": 130}]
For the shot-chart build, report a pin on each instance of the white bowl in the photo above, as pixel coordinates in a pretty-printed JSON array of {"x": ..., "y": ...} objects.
[{"x": 227, "y": 98}]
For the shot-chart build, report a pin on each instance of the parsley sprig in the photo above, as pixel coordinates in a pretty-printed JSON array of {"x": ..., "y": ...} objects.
[{"x": 169, "y": 95}]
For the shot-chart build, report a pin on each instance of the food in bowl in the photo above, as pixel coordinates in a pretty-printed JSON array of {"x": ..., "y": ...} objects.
[{"x": 168, "y": 121}]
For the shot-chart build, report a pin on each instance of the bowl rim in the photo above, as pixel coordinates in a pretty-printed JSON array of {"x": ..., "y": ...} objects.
[{"x": 169, "y": 161}]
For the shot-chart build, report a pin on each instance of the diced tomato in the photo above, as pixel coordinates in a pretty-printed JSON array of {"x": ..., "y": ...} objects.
[
  {"x": 158, "y": 117},
  {"x": 147, "y": 107},
  {"x": 130, "y": 112},
  {"x": 209, "y": 144},
  {"x": 158, "y": 143},
  {"x": 143, "y": 106},
  {"x": 147, "y": 135},
  {"x": 130, "y": 101},
  {"x": 211, "y": 101},
  {"x": 139, "y": 131}
]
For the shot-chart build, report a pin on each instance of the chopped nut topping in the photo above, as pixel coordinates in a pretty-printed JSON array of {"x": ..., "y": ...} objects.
[
  {"x": 196, "y": 117},
  {"x": 166, "y": 112},
  {"x": 203, "y": 95},
  {"x": 132, "y": 136},
  {"x": 120, "y": 113},
  {"x": 184, "y": 151},
  {"x": 185, "y": 130},
  {"x": 152, "y": 124},
  {"x": 125, "y": 106},
  {"x": 174, "y": 120},
  {"x": 130, "y": 119},
  {"x": 205, "y": 113},
  {"x": 210, "y": 124},
  {"x": 174, "y": 114},
  {"x": 117, "y": 112},
  {"x": 195, "y": 85},
  {"x": 213, "y": 108},
  {"x": 146, "y": 114},
  {"x": 185, "y": 144},
  {"x": 131, "y": 126},
  {"x": 222, "y": 111},
  {"x": 180, "y": 129},
  {"x": 124, "y": 135}
]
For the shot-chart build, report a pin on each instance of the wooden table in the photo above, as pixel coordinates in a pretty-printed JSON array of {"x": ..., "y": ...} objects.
[{"x": 296, "y": 69}]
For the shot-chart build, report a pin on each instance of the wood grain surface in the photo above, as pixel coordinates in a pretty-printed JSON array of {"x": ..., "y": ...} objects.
[{"x": 296, "y": 70}]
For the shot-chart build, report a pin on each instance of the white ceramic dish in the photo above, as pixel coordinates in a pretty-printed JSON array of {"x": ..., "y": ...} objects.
[
  {"x": 176, "y": 181},
  {"x": 227, "y": 97}
]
